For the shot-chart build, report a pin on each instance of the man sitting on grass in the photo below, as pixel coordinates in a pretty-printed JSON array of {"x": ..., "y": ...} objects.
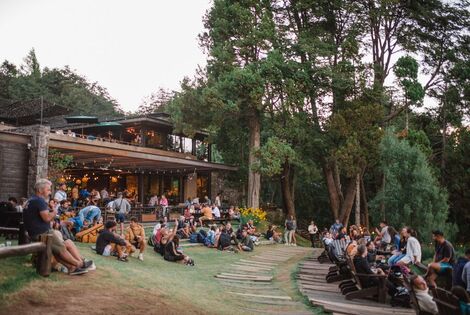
[
  {"x": 247, "y": 243},
  {"x": 109, "y": 243},
  {"x": 135, "y": 235},
  {"x": 37, "y": 220},
  {"x": 206, "y": 214},
  {"x": 444, "y": 258}
]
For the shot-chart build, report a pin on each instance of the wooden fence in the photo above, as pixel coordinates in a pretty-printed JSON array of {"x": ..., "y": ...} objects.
[{"x": 42, "y": 249}]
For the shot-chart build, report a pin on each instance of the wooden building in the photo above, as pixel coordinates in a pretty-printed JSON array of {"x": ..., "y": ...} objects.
[{"x": 140, "y": 154}]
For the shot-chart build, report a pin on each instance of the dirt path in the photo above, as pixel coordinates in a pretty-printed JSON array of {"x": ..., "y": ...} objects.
[
  {"x": 80, "y": 295},
  {"x": 262, "y": 283}
]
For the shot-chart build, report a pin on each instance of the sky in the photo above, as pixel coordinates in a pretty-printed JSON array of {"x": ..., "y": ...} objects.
[{"x": 130, "y": 47}]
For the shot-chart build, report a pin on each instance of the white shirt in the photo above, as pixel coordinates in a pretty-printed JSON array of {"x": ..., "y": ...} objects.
[
  {"x": 104, "y": 194},
  {"x": 153, "y": 201},
  {"x": 60, "y": 195},
  {"x": 413, "y": 249},
  {"x": 385, "y": 235},
  {"x": 217, "y": 201},
  {"x": 157, "y": 227},
  {"x": 312, "y": 229},
  {"x": 425, "y": 301},
  {"x": 216, "y": 212},
  {"x": 121, "y": 205}
]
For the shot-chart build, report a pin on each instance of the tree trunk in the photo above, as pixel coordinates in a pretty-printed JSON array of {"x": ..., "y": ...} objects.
[
  {"x": 364, "y": 203},
  {"x": 337, "y": 178},
  {"x": 444, "y": 143},
  {"x": 382, "y": 202},
  {"x": 287, "y": 189},
  {"x": 357, "y": 217},
  {"x": 332, "y": 192},
  {"x": 347, "y": 205},
  {"x": 254, "y": 178}
]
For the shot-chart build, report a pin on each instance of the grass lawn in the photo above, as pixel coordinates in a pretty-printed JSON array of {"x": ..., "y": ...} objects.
[{"x": 151, "y": 286}]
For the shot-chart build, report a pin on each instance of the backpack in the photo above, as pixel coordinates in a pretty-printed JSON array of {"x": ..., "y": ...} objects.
[
  {"x": 224, "y": 240},
  {"x": 289, "y": 225},
  {"x": 201, "y": 236},
  {"x": 193, "y": 238}
]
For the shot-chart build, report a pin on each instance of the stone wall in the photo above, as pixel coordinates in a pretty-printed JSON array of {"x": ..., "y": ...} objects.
[{"x": 38, "y": 157}]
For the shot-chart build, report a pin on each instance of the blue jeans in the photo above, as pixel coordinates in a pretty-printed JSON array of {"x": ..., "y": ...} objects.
[
  {"x": 394, "y": 259},
  {"x": 94, "y": 214}
]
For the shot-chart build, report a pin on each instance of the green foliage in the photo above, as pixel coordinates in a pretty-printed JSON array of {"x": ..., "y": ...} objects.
[
  {"x": 355, "y": 134},
  {"x": 420, "y": 139},
  {"x": 412, "y": 195},
  {"x": 273, "y": 155},
  {"x": 57, "y": 163},
  {"x": 61, "y": 86},
  {"x": 406, "y": 71}
]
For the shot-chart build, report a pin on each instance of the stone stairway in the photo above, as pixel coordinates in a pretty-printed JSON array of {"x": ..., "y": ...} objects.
[{"x": 256, "y": 287}]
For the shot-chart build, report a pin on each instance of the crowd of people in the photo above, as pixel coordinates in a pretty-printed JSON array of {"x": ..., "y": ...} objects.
[
  {"x": 390, "y": 253},
  {"x": 384, "y": 251},
  {"x": 46, "y": 213}
]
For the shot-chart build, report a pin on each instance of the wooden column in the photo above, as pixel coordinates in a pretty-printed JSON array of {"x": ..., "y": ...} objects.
[
  {"x": 193, "y": 147},
  {"x": 140, "y": 187},
  {"x": 209, "y": 152}
]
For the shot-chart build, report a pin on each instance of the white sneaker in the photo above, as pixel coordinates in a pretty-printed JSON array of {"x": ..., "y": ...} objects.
[{"x": 141, "y": 257}]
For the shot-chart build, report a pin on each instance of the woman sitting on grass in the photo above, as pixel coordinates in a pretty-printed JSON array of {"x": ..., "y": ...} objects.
[
  {"x": 272, "y": 235},
  {"x": 171, "y": 252}
]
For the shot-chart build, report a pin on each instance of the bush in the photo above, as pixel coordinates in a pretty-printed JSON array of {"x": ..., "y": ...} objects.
[{"x": 257, "y": 215}]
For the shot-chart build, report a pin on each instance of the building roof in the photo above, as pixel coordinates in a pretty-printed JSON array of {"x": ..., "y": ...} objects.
[{"x": 29, "y": 112}]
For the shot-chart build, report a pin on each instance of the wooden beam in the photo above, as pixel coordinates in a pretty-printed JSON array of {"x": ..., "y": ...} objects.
[
  {"x": 133, "y": 152},
  {"x": 14, "y": 137},
  {"x": 22, "y": 250}
]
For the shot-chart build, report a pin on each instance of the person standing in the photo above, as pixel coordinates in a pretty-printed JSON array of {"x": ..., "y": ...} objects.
[
  {"x": 335, "y": 228},
  {"x": 122, "y": 207},
  {"x": 61, "y": 193},
  {"x": 313, "y": 232},
  {"x": 289, "y": 230},
  {"x": 164, "y": 204},
  {"x": 75, "y": 196},
  {"x": 104, "y": 195},
  {"x": 218, "y": 201},
  {"x": 153, "y": 202}
]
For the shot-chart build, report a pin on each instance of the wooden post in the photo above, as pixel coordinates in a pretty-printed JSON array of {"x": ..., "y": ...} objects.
[
  {"x": 43, "y": 266},
  {"x": 22, "y": 237}
]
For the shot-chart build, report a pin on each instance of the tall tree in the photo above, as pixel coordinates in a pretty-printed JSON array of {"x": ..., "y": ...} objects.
[{"x": 238, "y": 37}]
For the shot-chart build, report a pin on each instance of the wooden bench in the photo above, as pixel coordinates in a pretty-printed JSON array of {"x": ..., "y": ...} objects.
[
  {"x": 378, "y": 291},
  {"x": 447, "y": 303},
  {"x": 43, "y": 250},
  {"x": 413, "y": 299}
]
